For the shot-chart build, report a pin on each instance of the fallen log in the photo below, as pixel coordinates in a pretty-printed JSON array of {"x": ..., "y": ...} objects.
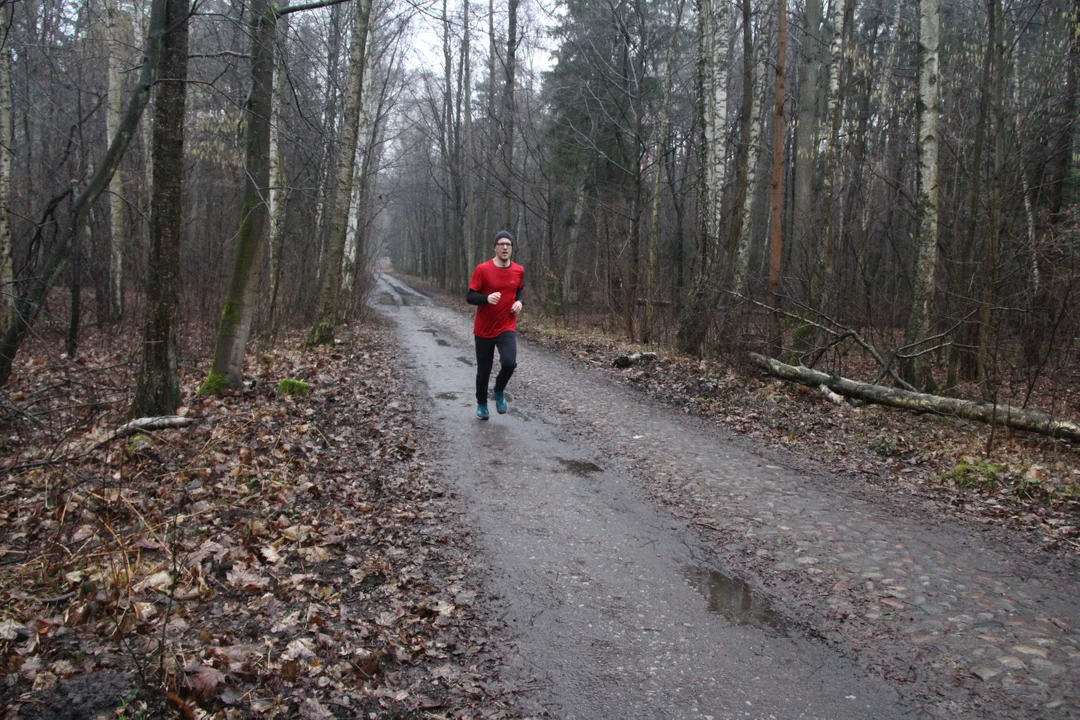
[
  {"x": 1013, "y": 417},
  {"x": 161, "y": 422}
]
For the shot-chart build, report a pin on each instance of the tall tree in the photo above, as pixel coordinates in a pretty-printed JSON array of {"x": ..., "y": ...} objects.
[
  {"x": 329, "y": 296},
  {"x": 279, "y": 176},
  {"x": 7, "y": 273},
  {"x": 230, "y": 348},
  {"x": 506, "y": 119},
  {"x": 712, "y": 82},
  {"x": 158, "y": 388},
  {"x": 746, "y": 165},
  {"x": 807, "y": 127},
  {"x": 776, "y": 189},
  {"x": 991, "y": 250},
  {"x": 916, "y": 366},
  {"x": 117, "y": 201}
]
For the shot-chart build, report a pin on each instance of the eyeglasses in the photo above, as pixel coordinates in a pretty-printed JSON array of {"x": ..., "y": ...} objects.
[{"x": 504, "y": 245}]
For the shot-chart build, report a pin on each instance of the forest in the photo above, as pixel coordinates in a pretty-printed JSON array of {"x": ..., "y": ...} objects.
[
  {"x": 221, "y": 486},
  {"x": 817, "y": 182}
]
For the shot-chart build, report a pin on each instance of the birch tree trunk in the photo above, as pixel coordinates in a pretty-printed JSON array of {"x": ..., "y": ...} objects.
[
  {"x": 329, "y": 301},
  {"x": 158, "y": 387},
  {"x": 28, "y": 306},
  {"x": 241, "y": 298},
  {"x": 711, "y": 90},
  {"x": 279, "y": 177},
  {"x": 916, "y": 369},
  {"x": 7, "y": 140},
  {"x": 365, "y": 141},
  {"x": 824, "y": 256},
  {"x": 117, "y": 205},
  {"x": 754, "y": 81}
]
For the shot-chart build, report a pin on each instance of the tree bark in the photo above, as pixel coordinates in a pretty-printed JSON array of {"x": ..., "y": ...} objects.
[
  {"x": 158, "y": 388},
  {"x": 329, "y": 301},
  {"x": 279, "y": 177},
  {"x": 824, "y": 257},
  {"x": 240, "y": 301},
  {"x": 1061, "y": 158},
  {"x": 776, "y": 189},
  {"x": 28, "y": 306},
  {"x": 746, "y": 172},
  {"x": 117, "y": 205},
  {"x": 806, "y": 136},
  {"x": 962, "y": 361},
  {"x": 1009, "y": 416},
  {"x": 7, "y": 271},
  {"x": 916, "y": 370},
  {"x": 993, "y": 235}
]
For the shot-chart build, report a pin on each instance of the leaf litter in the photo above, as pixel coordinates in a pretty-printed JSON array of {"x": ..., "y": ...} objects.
[{"x": 286, "y": 556}]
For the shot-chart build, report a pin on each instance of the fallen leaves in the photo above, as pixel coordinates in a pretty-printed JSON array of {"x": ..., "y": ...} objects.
[{"x": 279, "y": 558}]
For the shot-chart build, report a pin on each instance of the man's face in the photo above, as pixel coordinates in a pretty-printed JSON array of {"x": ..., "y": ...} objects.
[{"x": 503, "y": 248}]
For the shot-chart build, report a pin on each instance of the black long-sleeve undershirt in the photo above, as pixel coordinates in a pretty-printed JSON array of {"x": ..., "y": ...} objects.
[{"x": 475, "y": 297}]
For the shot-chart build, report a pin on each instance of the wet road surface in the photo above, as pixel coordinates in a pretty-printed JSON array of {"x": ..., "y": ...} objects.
[{"x": 613, "y": 609}]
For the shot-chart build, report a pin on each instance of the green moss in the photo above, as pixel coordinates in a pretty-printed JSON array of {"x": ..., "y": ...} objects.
[
  {"x": 975, "y": 476},
  {"x": 293, "y": 387},
  {"x": 138, "y": 443},
  {"x": 215, "y": 384},
  {"x": 231, "y": 311}
]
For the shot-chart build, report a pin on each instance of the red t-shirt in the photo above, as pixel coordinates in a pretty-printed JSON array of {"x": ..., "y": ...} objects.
[{"x": 492, "y": 320}]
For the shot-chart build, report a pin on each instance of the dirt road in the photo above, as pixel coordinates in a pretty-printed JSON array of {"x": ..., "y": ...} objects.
[{"x": 614, "y": 608}]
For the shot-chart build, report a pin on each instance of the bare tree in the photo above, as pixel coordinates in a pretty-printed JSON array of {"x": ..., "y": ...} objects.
[
  {"x": 776, "y": 189},
  {"x": 158, "y": 387},
  {"x": 916, "y": 368},
  {"x": 329, "y": 301}
]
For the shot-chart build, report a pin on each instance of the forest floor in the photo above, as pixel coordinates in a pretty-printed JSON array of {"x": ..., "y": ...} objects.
[
  {"x": 298, "y": 556},
  {"x": 284, "y": 556}
]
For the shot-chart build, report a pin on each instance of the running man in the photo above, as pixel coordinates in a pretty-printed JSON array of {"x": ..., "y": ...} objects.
[{"x": 496, "y": 289}]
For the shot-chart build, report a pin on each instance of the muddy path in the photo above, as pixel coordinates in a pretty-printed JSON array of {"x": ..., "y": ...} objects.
[{"x": 645, "y": 564}]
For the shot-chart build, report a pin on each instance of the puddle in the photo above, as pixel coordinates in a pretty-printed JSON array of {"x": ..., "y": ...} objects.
[
  {"x": 386, "y": 299},
  {"x": 440, "y": 341},
  {"x": 734, "y": 600},
  {"x": 463, "y": 359},
  {"x": 447, "y": 396},
  {"x": 581, "y": 468}
]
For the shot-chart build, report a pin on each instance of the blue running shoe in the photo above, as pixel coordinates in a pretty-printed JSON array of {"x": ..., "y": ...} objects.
[
  {"x": 482, "y": 412},
  {"x": 500, "y": 402}
]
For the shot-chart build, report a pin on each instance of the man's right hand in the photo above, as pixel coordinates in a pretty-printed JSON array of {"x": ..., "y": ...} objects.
[{"x": 494, "y": 298}]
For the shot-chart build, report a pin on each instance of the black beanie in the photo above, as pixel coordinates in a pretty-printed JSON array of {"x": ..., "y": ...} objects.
[{"x": 503, "y": 234}]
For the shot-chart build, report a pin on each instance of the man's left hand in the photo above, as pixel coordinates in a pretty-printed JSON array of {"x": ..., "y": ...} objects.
[{"x": 516, "y": 307}]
